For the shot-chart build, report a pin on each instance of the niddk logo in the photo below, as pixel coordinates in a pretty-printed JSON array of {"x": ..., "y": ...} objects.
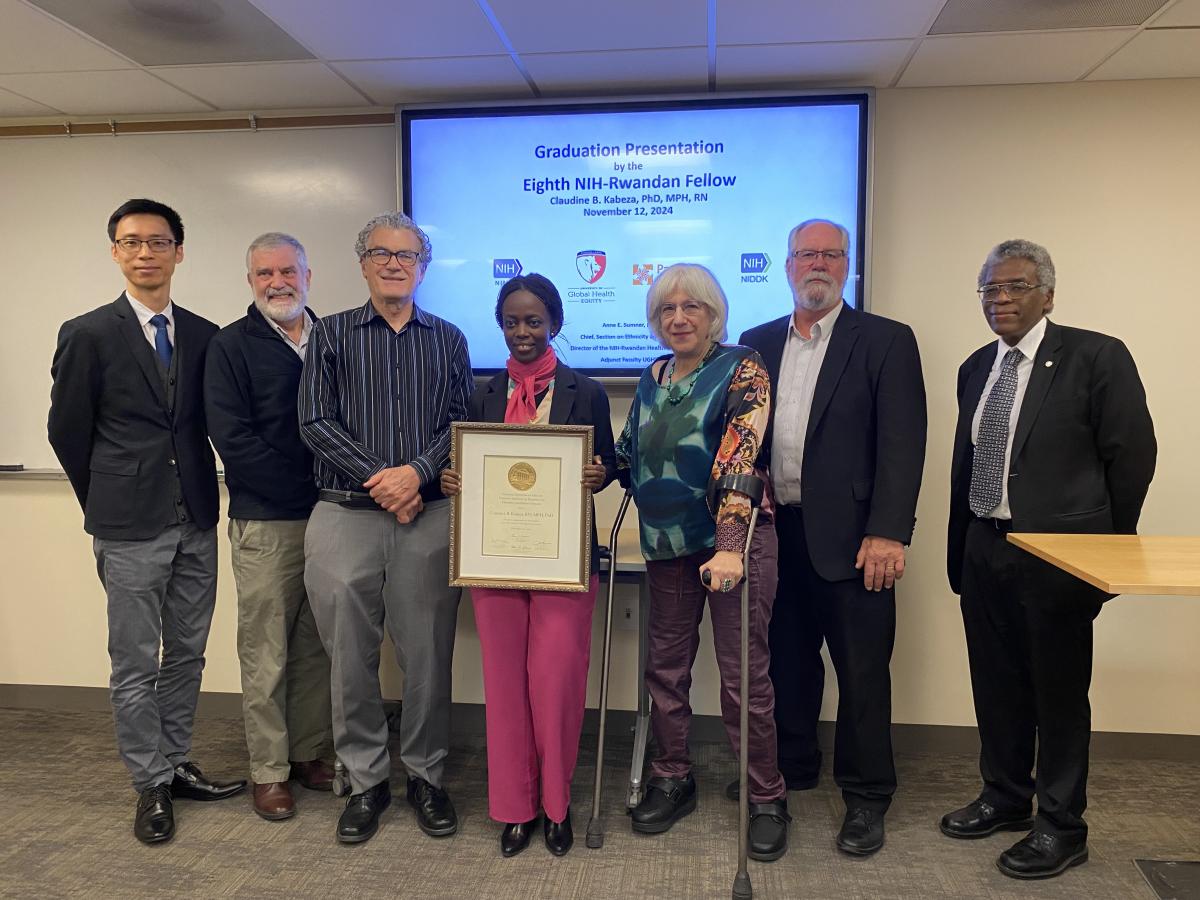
[
  {"x": 755, "y": 263},
  {"x": 591, "y": 265},
  {"x": 506, "y": 268}
]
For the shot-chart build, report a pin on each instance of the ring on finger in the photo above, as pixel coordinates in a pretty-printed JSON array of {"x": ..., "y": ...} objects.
[{"x": 727, "y": 584}]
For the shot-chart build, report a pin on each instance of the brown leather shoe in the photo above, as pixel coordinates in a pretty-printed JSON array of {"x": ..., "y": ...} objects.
[
  {"x": 316, "y": 775},
  {"x": 273, "y": 800}
]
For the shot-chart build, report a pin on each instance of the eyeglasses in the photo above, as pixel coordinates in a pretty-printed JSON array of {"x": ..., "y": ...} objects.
[
  {"x": 808, "y": 256},
  {"x": 381, "y": 257},
  {"x": 133, "y": 245},
  {"x": 690, "y": 308},
  {"x": 1016, "y": 290}
]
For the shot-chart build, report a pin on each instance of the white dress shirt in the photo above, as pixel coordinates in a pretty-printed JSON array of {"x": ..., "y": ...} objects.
[
  {"x": 1028, "y": 346},
  {"x": 144, "y": 314},
  {"x": 302, "y": 347},
  {"x": 798, "y": 371}
]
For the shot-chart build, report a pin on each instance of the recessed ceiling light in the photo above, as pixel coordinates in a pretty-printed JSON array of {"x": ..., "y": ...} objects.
[{"x": 180, "y": 12}]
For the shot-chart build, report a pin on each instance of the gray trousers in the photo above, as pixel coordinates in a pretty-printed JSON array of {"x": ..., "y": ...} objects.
[
  {"x": 363, "y": 569},
  {"x": 285, "y": 670},
  {"x": 161, "y": 595}
]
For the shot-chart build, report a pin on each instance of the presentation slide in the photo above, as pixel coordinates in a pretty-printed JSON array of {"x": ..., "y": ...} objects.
[{"x": 599, "y": 200}]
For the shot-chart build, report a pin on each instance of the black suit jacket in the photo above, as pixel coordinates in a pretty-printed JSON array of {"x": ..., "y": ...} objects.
[
  {"x": 113, "y": 432},
  {"x": 578, "y": 400},
  {"x": 1083, "y": 451},
  {"x": 251, "y": 384},
  {"x": 864, "y": 450}
]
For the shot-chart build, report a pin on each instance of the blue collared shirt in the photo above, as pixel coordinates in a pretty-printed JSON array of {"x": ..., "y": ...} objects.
[{"x": 372, "y": 398}]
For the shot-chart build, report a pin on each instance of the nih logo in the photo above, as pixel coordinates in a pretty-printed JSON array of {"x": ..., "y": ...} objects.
[
  {"x": 506, "y": 268},
  {"x": 754, "y": 267}
]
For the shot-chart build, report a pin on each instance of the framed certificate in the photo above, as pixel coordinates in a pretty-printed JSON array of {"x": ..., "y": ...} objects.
[{"x": 522, "y": 518}]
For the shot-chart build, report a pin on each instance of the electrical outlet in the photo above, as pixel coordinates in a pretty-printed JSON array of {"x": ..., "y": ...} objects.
[{"x": 627, "y": 615}]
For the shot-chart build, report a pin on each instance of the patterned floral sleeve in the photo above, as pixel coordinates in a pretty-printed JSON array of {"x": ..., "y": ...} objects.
[{"x": 739, "y": 448}]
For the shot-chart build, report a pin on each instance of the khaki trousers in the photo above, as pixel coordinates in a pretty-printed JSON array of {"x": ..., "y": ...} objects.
[{"x": 285, "y": 670}]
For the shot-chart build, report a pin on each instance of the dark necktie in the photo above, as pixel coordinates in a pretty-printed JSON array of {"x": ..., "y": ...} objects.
[
  {"x": 987, "y": 472},
  {"x": 162, "y": 343}
]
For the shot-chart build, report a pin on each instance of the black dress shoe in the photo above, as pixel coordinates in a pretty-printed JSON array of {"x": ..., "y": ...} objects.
[
  {"x": 667, "y": 801},
  {"x": 155, "y": 819},
  {"x": 435, "y": 813},
  {"x": 979, "y": 819},
  {"x": 191, "y": 784},
  {"x": 559, "y": 836},
  {"x": 768, "y": 830},
  {"x": 1042, "y": 855},
  {"x": 862, "y": 832},
  {"x": 360, "y": 819},
  {"x": 515, "y": 837}
]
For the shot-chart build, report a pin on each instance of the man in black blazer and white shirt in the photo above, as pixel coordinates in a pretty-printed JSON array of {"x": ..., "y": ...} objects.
[
  {"x": 1053, "y": 436},
  {"x": 127, "y": 424},
  {"x": 845, "y": 449}
]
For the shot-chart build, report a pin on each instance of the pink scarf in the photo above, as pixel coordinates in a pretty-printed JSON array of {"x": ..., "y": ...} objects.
[{"x": 530, "y": 379}]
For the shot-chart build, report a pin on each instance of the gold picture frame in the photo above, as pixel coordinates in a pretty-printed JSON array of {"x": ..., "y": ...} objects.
[{"x": 522, "y": 518}]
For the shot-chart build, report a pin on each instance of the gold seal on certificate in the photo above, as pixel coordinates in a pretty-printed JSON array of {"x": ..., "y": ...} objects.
[
  {"x": 522, "y": 517},
  {"x": 520, "y": 507}
]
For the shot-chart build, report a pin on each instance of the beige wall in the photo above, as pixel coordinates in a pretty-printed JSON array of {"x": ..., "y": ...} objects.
[{"x": 1105, "y": 175}]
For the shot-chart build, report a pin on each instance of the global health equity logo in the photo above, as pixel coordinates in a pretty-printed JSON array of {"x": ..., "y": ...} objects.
[
  {"x": 506, "y": 268},
  {"x": 754, "y": 268},
  {"x": 591, "y": 265}
]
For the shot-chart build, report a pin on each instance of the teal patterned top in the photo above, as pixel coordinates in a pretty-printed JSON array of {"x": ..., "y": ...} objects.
[{"x": 678, "y": 438}]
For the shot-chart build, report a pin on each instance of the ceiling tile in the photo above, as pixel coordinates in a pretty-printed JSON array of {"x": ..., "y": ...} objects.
[
  {"x": 102, "y": 93},
  {"x": 1184, "y": 14},
  {"x": 870, "y": 63},
  {"x": 265, "y": 86},
  {"x": 786, "y": 21},
  {"x": 31, "y": 41},
  {"x": 381, "y": 29},
  {"x": 1010, "y": 58},
  {"x": 13, "y": 105},
  {"x": 419, "y": 80},
  {"x": 643, "y": 71},
  {"x": 184, "y": 32},
  {"x": 552, "y": 26},
  {"x": 1174, "y": 53}
]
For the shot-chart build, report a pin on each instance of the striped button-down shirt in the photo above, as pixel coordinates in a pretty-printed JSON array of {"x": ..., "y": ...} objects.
[{"x": 372, "y": 398}]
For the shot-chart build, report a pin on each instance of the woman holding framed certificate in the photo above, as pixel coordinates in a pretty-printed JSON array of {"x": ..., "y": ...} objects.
[
  {"x": 694, "y": 430},
  {"x": 536, "y": 644}
]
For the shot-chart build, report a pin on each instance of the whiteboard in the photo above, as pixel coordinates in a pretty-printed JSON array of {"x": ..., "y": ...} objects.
[{"x": 319, "y": 184}]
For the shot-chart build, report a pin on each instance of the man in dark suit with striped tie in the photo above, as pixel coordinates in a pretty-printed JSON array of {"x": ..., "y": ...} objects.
[
  {"x": 1053, "y": 436},
  {"x": 380, "y": 387},
  {"x": 127, "y": 424}
]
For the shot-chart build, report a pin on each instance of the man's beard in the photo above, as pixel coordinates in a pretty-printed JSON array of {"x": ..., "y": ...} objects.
[
  {"x": 817, "y": 292},
  {"x": 281, "y": 313}
]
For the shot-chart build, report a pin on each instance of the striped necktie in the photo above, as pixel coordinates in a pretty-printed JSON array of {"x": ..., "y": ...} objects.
[{"x": 987, "y": 472}]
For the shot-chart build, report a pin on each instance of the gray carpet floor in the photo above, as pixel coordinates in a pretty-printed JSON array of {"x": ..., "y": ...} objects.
[{"x": 66, "y": 811}]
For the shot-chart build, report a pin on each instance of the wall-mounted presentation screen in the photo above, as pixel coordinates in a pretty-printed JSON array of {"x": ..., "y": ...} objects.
[{"x": 600, "y": 197}]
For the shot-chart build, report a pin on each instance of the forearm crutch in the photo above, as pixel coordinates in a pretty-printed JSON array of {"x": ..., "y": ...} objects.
[
  {"x": 595, "y": 827},
  {"x": 752, "y": 486}
]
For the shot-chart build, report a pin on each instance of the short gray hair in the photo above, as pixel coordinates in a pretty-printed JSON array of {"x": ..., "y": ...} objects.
[
  {"x": 1018, "y": 248},
  {"x": 398, "y": 221},
  {"x": 272, "y": 239},
  {"x": 696, "y": 282},
  {"x": 799, "y": 228}
]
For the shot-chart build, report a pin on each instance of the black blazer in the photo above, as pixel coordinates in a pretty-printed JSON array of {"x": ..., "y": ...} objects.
[
  {"x": 864, "y": 450},
  {"x": 251, "y": 384},
  {"x": 1083, "y": 451},
  {"x": 113, "y": 432},
  {"x": 577, "y": 401}
]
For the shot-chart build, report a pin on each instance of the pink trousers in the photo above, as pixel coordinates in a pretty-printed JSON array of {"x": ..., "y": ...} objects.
[{"x": 536, "y": 646}]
